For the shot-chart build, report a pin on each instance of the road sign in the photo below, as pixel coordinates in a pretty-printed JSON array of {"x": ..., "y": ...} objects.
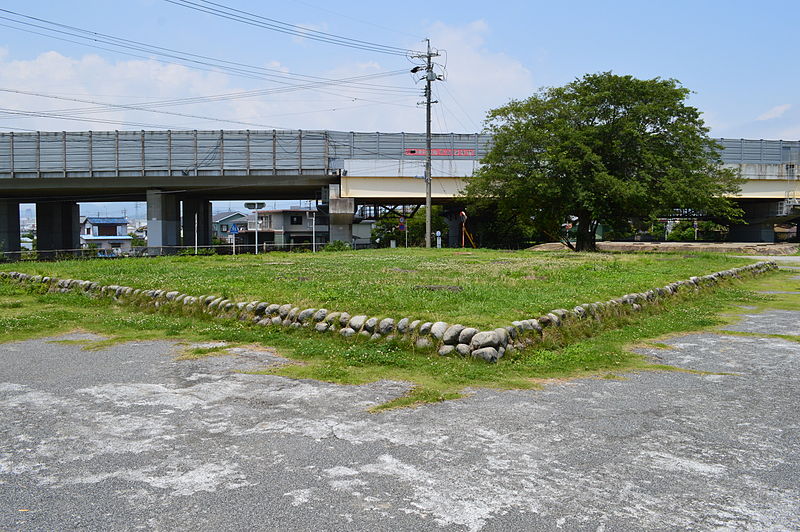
[
  {"x": 234, "y": 229},
  {"x": 401, "y": 223}
]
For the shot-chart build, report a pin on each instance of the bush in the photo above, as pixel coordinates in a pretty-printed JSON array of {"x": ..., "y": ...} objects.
[{"x": 336, "y": 245}]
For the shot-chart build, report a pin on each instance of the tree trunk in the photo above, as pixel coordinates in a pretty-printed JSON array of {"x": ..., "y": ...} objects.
[{"x": 586, "y": 238}]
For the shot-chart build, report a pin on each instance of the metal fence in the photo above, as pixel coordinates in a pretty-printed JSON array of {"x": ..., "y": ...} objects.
[{"x": 213, "y": 153}]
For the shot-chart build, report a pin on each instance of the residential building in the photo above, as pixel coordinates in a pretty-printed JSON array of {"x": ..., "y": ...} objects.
[
  {"x": 221, "y": 224},
  {"x": 108, "y": 234}
]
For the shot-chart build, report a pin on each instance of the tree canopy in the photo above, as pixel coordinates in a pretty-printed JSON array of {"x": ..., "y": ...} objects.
[{"x": 604, "y": 149}]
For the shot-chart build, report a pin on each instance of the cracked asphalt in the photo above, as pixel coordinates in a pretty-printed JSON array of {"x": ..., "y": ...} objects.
[{"x": 129, "y": 438}]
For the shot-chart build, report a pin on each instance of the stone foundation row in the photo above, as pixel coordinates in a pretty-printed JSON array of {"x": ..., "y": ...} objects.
[{"x": 447, "y": 339}]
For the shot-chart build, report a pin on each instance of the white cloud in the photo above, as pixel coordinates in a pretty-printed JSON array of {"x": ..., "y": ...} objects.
[
  {"x": 478, "y": 79},
  {"x": 775, "y": 112}
]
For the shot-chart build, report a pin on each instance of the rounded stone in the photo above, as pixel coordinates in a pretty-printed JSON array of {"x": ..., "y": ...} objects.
[
  {"x": 344, "y": 318},
  {"x": 292, "y": 316},
  {"x": 333, "y": 318},
  {"x": 402, "y": 325},
  {"x": 452, "y": 334},
  {"x": 413, "y": 325},
  {"x": 485, "y": 339},
  {"x": 370, "y": 325},
  {"x": 555, "y": 320},
  {"x": 425, "y": 328},
  {"x": 276, "y": 320},
  {"x": 273, "y": 309},
  {"x": 375, "y": 336},
  {"x": 320, "y": 314},
  {"x": 264, "y": 322},
  {"x": 284, "y": 310},
  {"x": 489, "y": 354},
  {"x": 347, "y": 332},
  {"x": 386, "y": 326},
  {"x": 321, "y": 327},
  {"x": 463, "y": 349},
  {"x": 260, "y": 308},
  {"x": 503, "y": 335},
  {"x": 422, "y": 343},
  {"x": 305, "y": 315},
  {"x": 446, "y": 350},
  {"x": 438, "y": 329},
  {"x": 357, "y": 322},
  {"x": 466, "y": 334}
]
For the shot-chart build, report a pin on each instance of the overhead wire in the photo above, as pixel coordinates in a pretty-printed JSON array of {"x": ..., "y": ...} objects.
[
  {"x": 252, "y": 19},
  {"x": 196, "y": 60}
]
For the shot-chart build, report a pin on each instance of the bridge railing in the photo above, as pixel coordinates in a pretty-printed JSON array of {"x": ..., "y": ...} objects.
[{"x": 213, "y": 153}]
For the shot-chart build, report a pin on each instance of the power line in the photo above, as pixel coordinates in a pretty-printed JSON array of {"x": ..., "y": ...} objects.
[
  {"x": 252, "y": 19},
  {"x": 195, "y": 60}
]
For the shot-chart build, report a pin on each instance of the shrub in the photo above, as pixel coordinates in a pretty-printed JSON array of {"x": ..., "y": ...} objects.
[{"x": 336, "y": 245}]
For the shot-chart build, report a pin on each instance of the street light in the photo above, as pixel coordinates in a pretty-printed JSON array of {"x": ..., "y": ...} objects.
[{"x": 255, "y": 206}]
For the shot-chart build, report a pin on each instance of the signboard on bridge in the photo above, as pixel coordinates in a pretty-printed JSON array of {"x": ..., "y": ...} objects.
[{"x": 441, "y": 152}]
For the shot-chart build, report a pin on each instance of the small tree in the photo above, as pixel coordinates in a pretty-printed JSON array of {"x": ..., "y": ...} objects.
[{"x": 604, "y": 148}]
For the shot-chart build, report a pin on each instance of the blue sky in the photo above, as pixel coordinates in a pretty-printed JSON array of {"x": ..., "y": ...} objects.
[{"x": 739, "y": 58}]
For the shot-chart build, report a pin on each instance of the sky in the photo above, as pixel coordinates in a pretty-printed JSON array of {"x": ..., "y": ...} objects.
[{"x": 739, "y": 59}]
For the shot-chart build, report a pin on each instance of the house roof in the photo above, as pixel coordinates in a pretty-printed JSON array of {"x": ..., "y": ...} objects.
[
  {"x": 222, "y": 216},
  {"x": 95, "y": 220}
]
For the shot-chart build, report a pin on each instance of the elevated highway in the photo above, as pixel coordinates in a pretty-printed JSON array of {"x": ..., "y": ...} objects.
[{"x": 182, "y": 171}]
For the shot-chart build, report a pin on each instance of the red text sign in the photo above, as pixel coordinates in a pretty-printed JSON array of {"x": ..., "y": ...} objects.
[{"x": 441, "y": 152}]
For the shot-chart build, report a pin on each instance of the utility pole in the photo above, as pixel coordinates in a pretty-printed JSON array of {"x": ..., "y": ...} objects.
[{"x": 430, "y": 76}]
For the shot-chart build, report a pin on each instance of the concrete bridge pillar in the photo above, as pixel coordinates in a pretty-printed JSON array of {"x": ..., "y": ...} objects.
[
  {"x": 162, "y": 222},
  {"x": 200, "y": 210},
  {"x": 753, "y": 232},
  {"x": 9, "y": 227},
  {"x": 57, "y": 227},
  {"x": 341, "y": 212}
]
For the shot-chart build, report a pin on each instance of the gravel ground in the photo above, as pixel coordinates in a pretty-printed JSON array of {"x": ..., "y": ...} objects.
[{"x": 129, "y": 438}]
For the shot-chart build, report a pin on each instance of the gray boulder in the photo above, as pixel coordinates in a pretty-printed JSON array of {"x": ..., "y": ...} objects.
[
  {"x": 402, "y": 325},
  {"x": 305, "y": 315},
  {"x": 463, "y": 349},
  {"x": 320, "y": 314},
  {"x": 347, "y": 332},
  {"x": 357, "y": 322},
  {"x": 489, "y": 354},
  {"x": 485, "y": 339},
  {"x": 284, "y": 310},
  {"x": 422, "y": 343},
  {"x": 386, "y": 326},
  {"x": 321, "y": 327},
  {"x": 451, "y": 335},
  {"x": 503, "y": 335},
  {"x": 446, "y": 350},
  {"x": 371, "y": 324},
  {"x": 344, "y": 319},
  {"x": 465, "y": 336},
  {"x": 425, "y": 328},
  {"x": 438, "y": 329}
]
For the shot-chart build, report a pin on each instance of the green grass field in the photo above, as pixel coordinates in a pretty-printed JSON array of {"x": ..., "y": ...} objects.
[
  {"x": 479, "y": 288},
  {"x": 603, "y": 352}
]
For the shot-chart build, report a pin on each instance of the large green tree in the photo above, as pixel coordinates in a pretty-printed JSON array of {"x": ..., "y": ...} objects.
[{"x": 602, "y": 149}]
